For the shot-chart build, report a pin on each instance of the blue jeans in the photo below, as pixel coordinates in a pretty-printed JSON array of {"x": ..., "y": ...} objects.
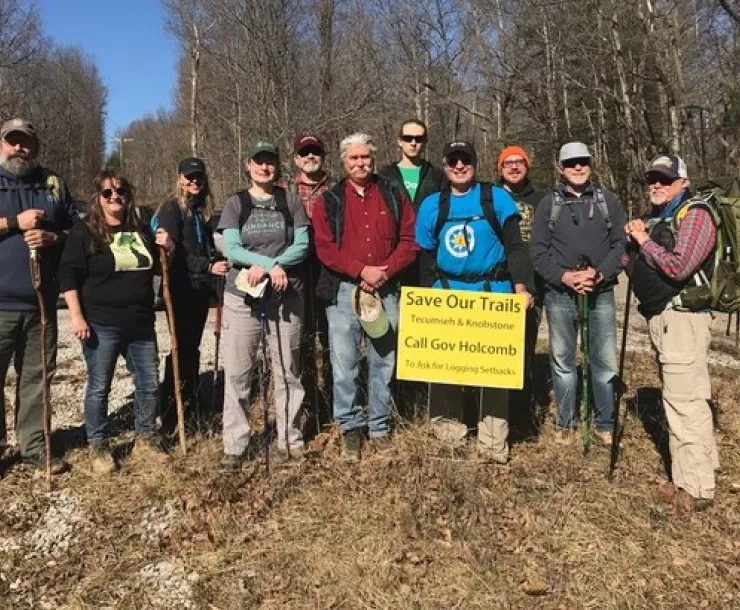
[
  {"x": 101, "y": 351},
  {"x": 562, "y": 320},
  {"x": 345, "y": 334}
]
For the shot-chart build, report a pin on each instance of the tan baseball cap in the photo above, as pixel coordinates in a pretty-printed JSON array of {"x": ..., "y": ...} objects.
[
  {"x": 368, "y": 307},
  {"x": 21, "y": 126}
]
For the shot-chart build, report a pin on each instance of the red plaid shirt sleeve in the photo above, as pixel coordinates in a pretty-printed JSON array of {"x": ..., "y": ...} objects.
[{"x": 694, "y": 243}]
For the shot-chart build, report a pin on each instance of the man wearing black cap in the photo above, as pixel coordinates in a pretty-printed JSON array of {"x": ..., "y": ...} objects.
[
  {"x": 35, "y": 210},
  {"x": 471, "y": 230},
  {"x": 577, "y": 249},
  {"x": 673, "y": 252},
  {"x": 310, "y": 183}
]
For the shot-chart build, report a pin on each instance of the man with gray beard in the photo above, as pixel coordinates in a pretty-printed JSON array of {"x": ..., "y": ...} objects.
[{"x": 35, "y": 210}]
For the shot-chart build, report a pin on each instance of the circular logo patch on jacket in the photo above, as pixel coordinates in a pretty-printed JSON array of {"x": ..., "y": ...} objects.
[{"x": 460, "y": 240}]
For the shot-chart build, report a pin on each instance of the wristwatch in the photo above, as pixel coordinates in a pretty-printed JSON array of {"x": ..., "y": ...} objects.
[{"x": 12, "y": 222}]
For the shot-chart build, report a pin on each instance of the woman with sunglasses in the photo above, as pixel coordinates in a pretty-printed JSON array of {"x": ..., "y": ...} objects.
[
  {"x": 266, "y": 238},
  {"x": 187, "y": 219},
  {"x": 106, "y": 274}
]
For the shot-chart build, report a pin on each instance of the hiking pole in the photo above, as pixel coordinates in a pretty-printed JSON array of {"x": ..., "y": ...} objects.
[
  {"x": 174, "y": 355},
  {"x": 265, "y": 384},
  {"x": 220, "y": 282},
  {"x": 583, "y": 307},
  {"x": 620, "y": 388},
  {"x": 36, "y": 280}
]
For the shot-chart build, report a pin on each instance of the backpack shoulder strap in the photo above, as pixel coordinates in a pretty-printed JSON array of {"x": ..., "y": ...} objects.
[
  {"x": 246, "y": 207},
  {"x": 443, "y": 211},
  {"x": 556, "y": 205},
  {"x": 489, "y": 210},
  {"x": 704, "y": 202},
  {"x": 603, "y": 208}
]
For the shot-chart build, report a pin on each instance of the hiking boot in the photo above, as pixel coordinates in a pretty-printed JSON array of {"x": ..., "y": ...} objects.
[
  {"x": 686, "y": 503},
  {"x": 382, "y": 445},
  {"x": 352, "y": 444},
  {"x": 230, "y": 464},
  {"x": 566, "y": 436},
  {"x": 150, "y": 447},
  {"x": 490, "y": 455},
  {"x": 38, "y": 461},
  {"x": 604, "y": 437},
  {"x": 101, "y": 460}
]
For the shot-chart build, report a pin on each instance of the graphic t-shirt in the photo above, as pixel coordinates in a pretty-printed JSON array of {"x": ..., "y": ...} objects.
[
  {"x": 467, "y": 244},
  {"x": 410, "y": 177},
  {"x": 114, "y": 284},
  {"x": 264, "y": 232}
]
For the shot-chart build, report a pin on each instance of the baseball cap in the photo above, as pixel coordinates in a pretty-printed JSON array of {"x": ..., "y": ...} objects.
[
  {"x": 191, "y": 165},
  {"x": 20, "y": 125},
  {"x": 573, "y": 150},
  {"x": 459, "y": 146},
  {"x": 261, "y": 146},
  {"x": 368, "y": 308},
  {"x": 304, "y": 140},
  {"x": 670, "y": 166}
]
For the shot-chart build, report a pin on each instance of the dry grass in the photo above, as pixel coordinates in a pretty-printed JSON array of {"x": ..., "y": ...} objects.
[{"x": 418, "y": 530}]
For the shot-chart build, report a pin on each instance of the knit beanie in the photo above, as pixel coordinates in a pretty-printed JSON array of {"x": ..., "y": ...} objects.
[{"x": 513, "y": 150}]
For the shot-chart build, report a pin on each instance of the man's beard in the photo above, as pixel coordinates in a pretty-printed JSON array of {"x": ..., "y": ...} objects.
[
  {"x": 17, "y": 165},
  {"x": 311, "y": 167}
]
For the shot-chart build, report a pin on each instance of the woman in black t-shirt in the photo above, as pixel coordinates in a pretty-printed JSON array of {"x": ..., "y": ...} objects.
[
  {"x": 106, "y": 274},
  {"x": 195, "y": 264}
]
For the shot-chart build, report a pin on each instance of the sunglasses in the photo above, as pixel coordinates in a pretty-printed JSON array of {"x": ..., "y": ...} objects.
[
  {"x": 311, "y": 150},
  {"x": 571, "y": 163},
  {"x": 195, "y": 177},
  {"x": 408, "y": 139},
  {"x": 659, "y": 179},
  {"x": 453, "y": 160},
  {"x": 108, "y": 193}
]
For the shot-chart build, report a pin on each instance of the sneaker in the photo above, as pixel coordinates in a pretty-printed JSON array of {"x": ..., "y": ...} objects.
[
  {"x": 230, "y": 464},
  {"x": 352, "y": 444},
  {"x": 604, "y": 437},
  {"x": 38, "y": 461},
  {"x": 491, "y": 456},
  {"x": 150, "y": 447},
  {"x": 382, "y": 444},
  {"x": 101, "y": 460}
]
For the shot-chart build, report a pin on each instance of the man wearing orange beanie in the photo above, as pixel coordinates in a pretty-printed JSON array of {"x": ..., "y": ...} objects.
[{"x": 513, "y": 169}]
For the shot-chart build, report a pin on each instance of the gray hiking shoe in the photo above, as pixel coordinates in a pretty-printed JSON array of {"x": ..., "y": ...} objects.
[
  {"x": 230, "y": 464},
  {"x": 382, "y": 444},
  {"x": 101, "y": 460},
  {"x": 352, "y": 444}
]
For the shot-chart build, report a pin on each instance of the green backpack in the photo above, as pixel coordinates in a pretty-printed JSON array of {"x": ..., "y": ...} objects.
[{"x": 722, "y": 293}]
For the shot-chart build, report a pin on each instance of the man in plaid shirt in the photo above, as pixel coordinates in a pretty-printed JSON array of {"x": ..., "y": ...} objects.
[
  {"x": 671, "y": 251},
  {"x": 310, "y": 183}
]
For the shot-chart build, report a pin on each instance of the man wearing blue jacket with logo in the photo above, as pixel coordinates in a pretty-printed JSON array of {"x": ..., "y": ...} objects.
[
  {"x": 472, "y": 231},
  {"x": 35, "y": 210}
]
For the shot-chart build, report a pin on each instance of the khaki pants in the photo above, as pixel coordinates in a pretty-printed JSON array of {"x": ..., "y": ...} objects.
[
  {"x": 242, "y": 335},
  {"x": 681, "y": 342}
]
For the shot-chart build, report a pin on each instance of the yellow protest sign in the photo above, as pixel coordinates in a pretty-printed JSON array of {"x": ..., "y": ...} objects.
[{"x": 461, "y": 337}]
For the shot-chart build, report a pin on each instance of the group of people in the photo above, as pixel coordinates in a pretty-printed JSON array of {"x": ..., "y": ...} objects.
[{"x": 312, "y": 256}]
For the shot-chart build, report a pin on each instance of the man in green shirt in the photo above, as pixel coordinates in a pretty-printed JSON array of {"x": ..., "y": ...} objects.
[{"x": 513, "y": 170}]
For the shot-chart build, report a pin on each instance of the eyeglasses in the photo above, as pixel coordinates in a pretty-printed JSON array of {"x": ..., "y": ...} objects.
[
  {"x": 571, "y": 163},
  {"x": 108, "y": 193},
  {"x": 513, "y": 163},
  {"x": 413, "y": 138},
  {"x": 659, "y": 179},
  {"x": 311, "y": 150}
]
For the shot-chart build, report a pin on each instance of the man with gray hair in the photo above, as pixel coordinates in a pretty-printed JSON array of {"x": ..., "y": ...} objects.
[
  {"x": 364, "y": 230},
  {"x": 576, "y": 247},
  {"x": 35, "y": 210}
]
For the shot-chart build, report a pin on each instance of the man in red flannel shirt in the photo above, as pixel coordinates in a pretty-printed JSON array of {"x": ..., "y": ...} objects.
[
  {"x": 310, "y": 183},
  {"x": 670, "y": 250},
  {"x": 364, "y": 232}
]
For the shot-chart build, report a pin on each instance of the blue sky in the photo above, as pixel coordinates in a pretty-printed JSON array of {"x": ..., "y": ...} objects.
[{"x": 127, "y": 41}]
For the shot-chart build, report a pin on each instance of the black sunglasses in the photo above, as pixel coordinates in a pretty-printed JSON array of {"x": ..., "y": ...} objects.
[
  {"x": 311, "y": 150},
  {"x": 571, "y": 163},
  {"x": 195, "y": 177},
  {"x": 418, "y": 139},
  {"x": 451, "y": 160},
  {"x": 108, "y": 193},
  {"x": 660, "y": 179}
]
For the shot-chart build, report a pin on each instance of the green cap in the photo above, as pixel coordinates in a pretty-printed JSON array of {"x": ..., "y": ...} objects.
[
  {"x": 368, "y": 308},
  {"x": 261, "y": 146}
]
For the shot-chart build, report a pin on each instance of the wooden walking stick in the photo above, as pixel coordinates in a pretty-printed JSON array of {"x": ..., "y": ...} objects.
[
  {"x": 36, "y": 280},
  {"x": 173, "y": 352}
]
